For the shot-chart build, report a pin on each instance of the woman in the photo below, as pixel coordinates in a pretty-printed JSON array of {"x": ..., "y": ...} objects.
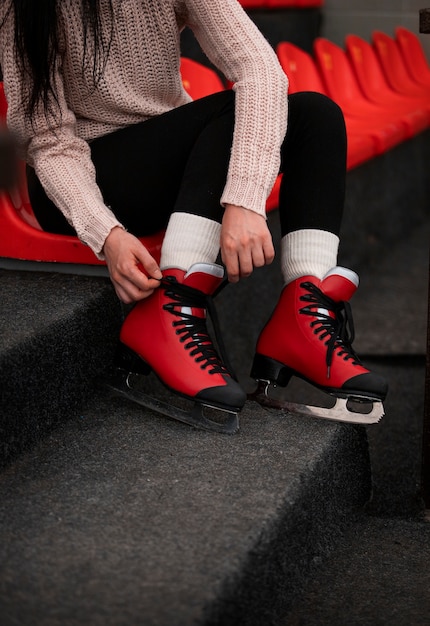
[{"x": 113, "y": 141}]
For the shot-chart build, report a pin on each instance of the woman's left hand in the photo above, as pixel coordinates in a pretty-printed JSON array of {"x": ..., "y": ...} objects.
[{"x": 246, "y": 242}]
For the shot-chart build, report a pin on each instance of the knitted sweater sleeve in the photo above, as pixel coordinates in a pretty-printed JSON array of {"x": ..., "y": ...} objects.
[
  {"x": 61, "y": 159},
  {"x": 65, "y": 169},
  {"x": 235, "y": 45}
]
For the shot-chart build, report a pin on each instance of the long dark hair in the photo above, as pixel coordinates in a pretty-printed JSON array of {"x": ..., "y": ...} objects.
[{"x": 38, "y": 38}]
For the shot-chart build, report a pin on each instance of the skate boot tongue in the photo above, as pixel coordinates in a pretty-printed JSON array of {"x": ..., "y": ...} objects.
[
  {"x": 335, "y": 289},
  {"x": 339, "y": 284},
  {"x": 205, "y": 277}
]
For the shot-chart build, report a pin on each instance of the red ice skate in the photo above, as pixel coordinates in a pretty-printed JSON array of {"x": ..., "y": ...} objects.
[
  {"x": 310, "y": 335},
  {"x": 167, "y": 333}
]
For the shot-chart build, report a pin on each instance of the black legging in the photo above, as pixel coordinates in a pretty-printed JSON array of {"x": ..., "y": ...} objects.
[{"x": 178, "y": 162}]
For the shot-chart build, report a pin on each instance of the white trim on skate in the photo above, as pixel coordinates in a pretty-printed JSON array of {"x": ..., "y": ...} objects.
[
  {"x": 345, "y": 272},
  {"x": 207, "y": 268}
]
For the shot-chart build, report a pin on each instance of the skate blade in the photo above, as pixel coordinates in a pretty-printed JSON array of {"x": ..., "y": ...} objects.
[
  {"x": 340, "y": 412},
  {"x": 121, "y": 385}
]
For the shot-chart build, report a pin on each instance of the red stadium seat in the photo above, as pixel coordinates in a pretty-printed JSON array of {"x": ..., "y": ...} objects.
[
  {"x": 3, "y": 106},
  {"x": 310, "y": 3},
  {"x": 299, "y": 4},
  {"x": 394, "y": 68},
  {"x": 299, "y": 66},
  {"x": 273, "y": 199},
  {"x": 387, "y": 129},
  {"x": 21, "y": 239},
  {"x": 199, "y": 80},
  {"x": 374, "y": 85},
  {"x": 303, "y": 75},
  {"x": 281, "y": 4},
  {"x": 253, "y": 4},
  {"x": 413, "y": 55}
]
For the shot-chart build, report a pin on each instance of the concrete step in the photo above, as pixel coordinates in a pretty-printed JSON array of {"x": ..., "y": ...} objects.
[
  {"x": 114, "y": 515},
  {"x": 123, "y": 517},
  {"x": 56, "y": 333}
]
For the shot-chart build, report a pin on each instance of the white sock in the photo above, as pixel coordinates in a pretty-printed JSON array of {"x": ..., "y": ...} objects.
[
  {"x": 308, "y": 252},
  {"x": 190, "y": 239}
]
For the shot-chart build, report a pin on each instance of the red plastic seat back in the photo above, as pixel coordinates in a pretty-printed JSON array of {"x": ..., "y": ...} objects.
[
  {"x": 365, "y": 64},
  {"x": 412, "y": 53},
  {"x": 3, "y": 106},
  {"x": 392, "y": 62},
  {"x": 299, "y": 4},
  {"x": 19, "y": 195},
  {"x": 199, "y": 80},
  {"x": 300, "y": 68},
  {"x": 280, "y": 4},
  {"x": 336, "y": 71},
  {"x": 253, "y": 4}
]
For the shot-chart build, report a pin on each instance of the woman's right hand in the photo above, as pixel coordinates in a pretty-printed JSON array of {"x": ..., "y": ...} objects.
[{"x": 124, "y": 253}]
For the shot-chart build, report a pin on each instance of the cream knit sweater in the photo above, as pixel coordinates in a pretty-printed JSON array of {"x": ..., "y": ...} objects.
[{"x": 141, "y": 80}]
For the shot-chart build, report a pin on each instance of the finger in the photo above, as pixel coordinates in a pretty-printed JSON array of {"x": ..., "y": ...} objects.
[
  {"x": 150, "y": 265},
  {"x": 269, "y": 251},
  {"x": 145, "y": 273},
  {"x": 131, "y": 284},
  {"x": 137, "y": 276},
  {"x": 141, "y": 284},
  {"x": 245, "y": 263},
  {"x": 258, "y": 257},
  {"x": 231, "y": 262},
  {"x": 128, "y": 292}
]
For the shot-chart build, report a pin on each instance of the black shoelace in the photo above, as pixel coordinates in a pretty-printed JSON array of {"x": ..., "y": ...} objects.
[
  {"x": 338, "y": 331},
  {"x": 192, "y": 330}
]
